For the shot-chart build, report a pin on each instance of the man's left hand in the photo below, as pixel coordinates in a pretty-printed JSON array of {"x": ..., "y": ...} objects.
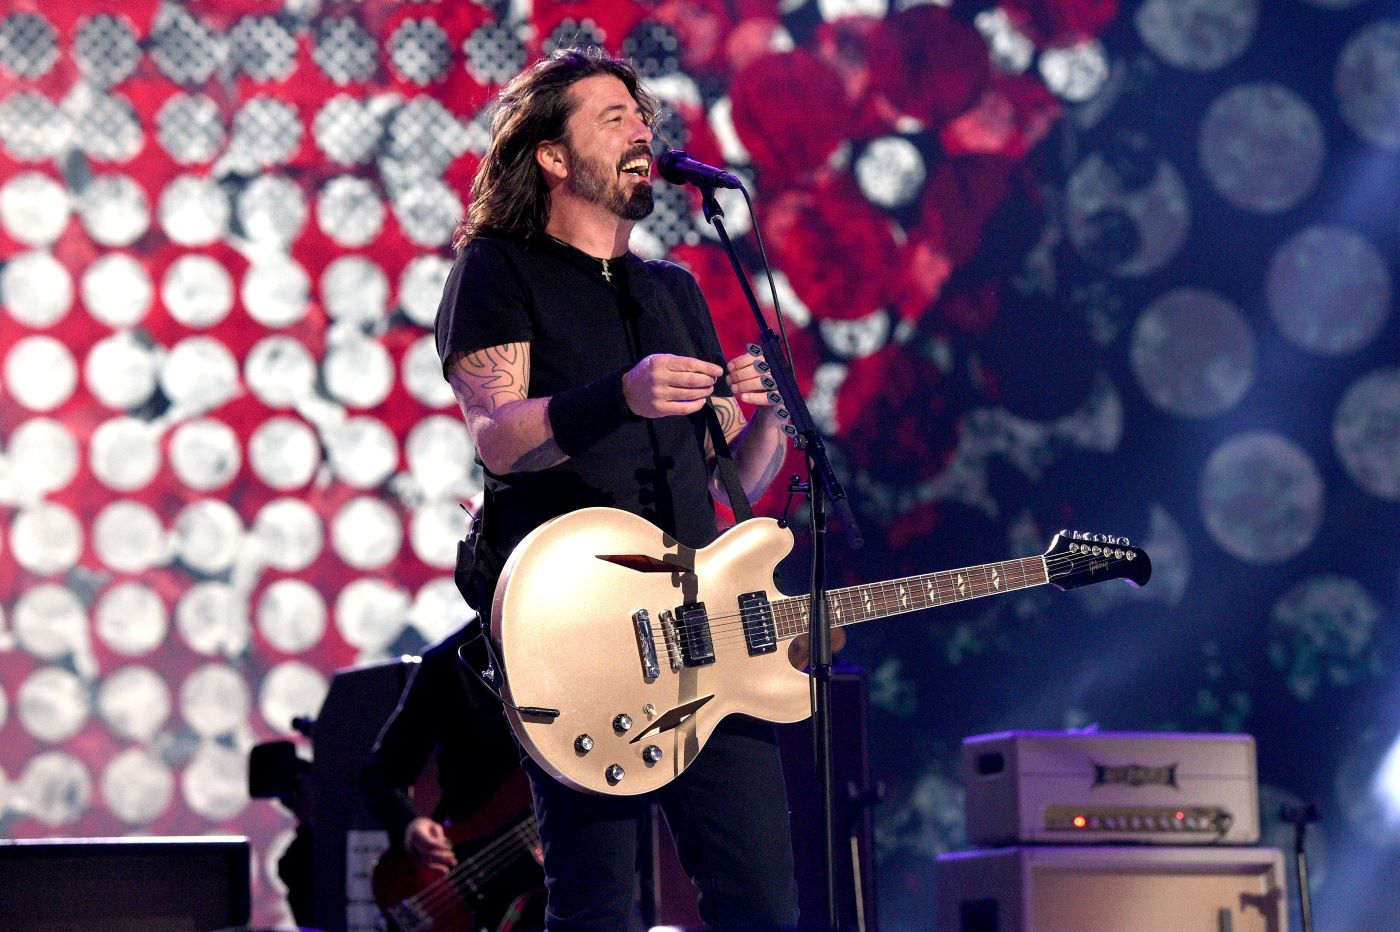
[{"x": 748, "y": 377}]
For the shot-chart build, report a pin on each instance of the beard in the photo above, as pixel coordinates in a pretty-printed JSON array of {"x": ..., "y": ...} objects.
[{"x": 595, "y": 183}]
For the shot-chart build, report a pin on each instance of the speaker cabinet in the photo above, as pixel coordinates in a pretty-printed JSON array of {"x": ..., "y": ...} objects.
[
  {"x": 1145, "y": 889},
  {"x": 124, "y": 884}
]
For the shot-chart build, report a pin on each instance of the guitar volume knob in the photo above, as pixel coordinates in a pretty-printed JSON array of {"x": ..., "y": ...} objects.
[
  {"x": 614, "y": 774},
  {"x": 583, "y": 744},
  {"x": 622, "y": 723},
  {"x": 651, "y": 754}
]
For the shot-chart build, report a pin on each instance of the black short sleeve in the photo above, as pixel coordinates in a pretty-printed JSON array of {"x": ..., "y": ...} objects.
[{"x": 485, "y": 301}]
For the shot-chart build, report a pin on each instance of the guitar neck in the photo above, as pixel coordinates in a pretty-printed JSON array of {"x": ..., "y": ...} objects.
[{"x": 855, "y": 604}]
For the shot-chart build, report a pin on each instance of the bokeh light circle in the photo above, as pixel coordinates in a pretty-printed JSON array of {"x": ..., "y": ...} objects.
[
  {"x": 215, "y": 784},
  {"x": 52, "y": 704},
  {"x": 288, "y": 534},
  {"x": 434, "y": 532},
  {"x": 137, "y": 786},
  {"x": 46, "y": 538},
  {"x": 1262, "y": 147},
  {"x": 362, "y": 451},
  {"x": 114, "y": 210},
  {"x": 197, "y": 290},
  {"x": 34, "y": 209},
  {"x": 370, "y": 614},
  {"x": 1262, "y": 498},
  {"x": 214, "y": 701},
  {"x": 1329, "y": 290},
  {"x": 131, "y": 619},
  {"x": 205, "y": 454},
  {"x": 121, "y": 370},
  {"x": 280, "y": 371},
  {"x": 212, "y": 619},
  {"x": 276, "y": 291},
  {"x": 1366, "y": 433},
  {"x": 290, "y": 690},
  {"x": 366, "y": 533},
  {"x": 1197, "y": 35},
  {"x": 1368, "y": 84},
  {"x": 440, "y": 456},
  {"x": 357, "y": 371},
  {"x": 1193, "y": 353},
  {"x": 199, "y": 374},
  {"x": 284, "y": 453},
  {"x": 124, "y": 453},
  {"x": 420, "y": 288},
  {"x": 421, "y": 371},
  {"x": 40, "y": 372},
  {"x": 207, "y": 535},
  {"x": 129, "y": 537},
  {"x": 42, "y": 457},
  {"x": 117, "y": 290},
  {"x": 356, "y": 290},
  {"x": 135, "y": 703},
  {"x": 1322, "y": 633},
  {"x": 193, "y": 211},
  {"x": 56, "y": 787},
  {"x": 291, "y": 616},
  {"x": 53, "y": 613}
]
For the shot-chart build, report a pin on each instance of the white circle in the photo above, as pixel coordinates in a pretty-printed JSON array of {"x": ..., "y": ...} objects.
[
  {"x": 358, "y": 371},
  {"x": 1262, "y": 497},
  {"x": 56, "y": 788},
  {"x": 272, "y": 210},
  {"x": 1197, "y": 35},
  {"x": 116, "y": 290},
  {"x": 362, "y": 451},
  {"x": 50, "y": 621},
  {"x": 438, "y": 609},
  {"x": 891, "y": 172},
  {"x": 276, "y": 290},
  {"x": 120, "y": 370},
  {"x": 1262, "y": 147},
  {"x": 197, "y": 291},
  {"x": 1366, "y": 432},
  {"x": 288, "y": 534},
  {"x": 214, "y": 700},
  {"x": 114, "y": 210},
  {"x": 199, "y": 374},
  {"x": 290, "y": 690},
  {"x": 350, "y": 211},
  {"x": 134, "y": 702},
  {"x": 40, "y": 373},
  {"x": 128, "y": 537},
  {"x": 205, "y": 454},
  {"x": 283, "y": 453},
  {"x": 434, "y": 532},
  {"x": 193, "y": 210},
  {"x": 355, "y": 289},
  {"x": 46, "y": 538},
  {"x": 208, "y": 535},
  {"x": 439, "y": 454},
  {"x": 124, "y": 453},
  {"x": 366, "y": 533},
  {"x": 213, "y": 619},
  {"x": 1075, "y": 72},
  {"x": 215, "y": 784},
  {"x": 291, "y": 616},
  {"x": 43, "y": 457},
  {"x": 131, "y": 619},
  {"x": 137, "y": 786},
  {"x": 52, "y": 704},
  {"x": 36, "y": 289},
  {"x": 421, "y": 371},
  {"x": 280, "y": 371},
  {"x": 420, "y": 287},
  {"x": 34, "y": 208},
  {"x": 370, "y": 614}
]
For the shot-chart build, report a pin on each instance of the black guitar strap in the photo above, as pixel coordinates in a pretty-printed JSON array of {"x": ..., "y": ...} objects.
[{"x": 728, "y": 472}]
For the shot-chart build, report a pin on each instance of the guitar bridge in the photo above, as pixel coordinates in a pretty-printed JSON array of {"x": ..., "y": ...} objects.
[
  {"x": 670, "y": 633},
  {"x": 646, "y": 645}
]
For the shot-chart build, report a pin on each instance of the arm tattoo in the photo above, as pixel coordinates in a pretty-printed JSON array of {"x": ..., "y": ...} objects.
[{"x": 488, "y": 378}]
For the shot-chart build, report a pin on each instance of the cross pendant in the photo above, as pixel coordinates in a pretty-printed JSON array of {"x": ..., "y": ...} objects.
[{"x": 607, "y": 274}]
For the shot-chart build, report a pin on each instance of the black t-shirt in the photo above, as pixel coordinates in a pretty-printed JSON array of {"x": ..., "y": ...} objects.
[{"x": 581, "y": 328}]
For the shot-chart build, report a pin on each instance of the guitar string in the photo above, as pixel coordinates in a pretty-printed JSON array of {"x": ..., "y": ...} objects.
[
  {"x": 725, "y": 631},
  {"x": 448, "y": 888},
  {"x": 499, "y": 852}
]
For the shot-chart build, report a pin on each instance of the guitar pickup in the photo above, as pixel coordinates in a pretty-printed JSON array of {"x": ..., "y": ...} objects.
[
  {"x": 646, "y": 645},
  {"x": 697, "y": 646},
  {"x": 757, "y": 615}
]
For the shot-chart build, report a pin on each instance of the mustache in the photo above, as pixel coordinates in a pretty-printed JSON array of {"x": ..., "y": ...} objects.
[{"x": 633, "y": 153}]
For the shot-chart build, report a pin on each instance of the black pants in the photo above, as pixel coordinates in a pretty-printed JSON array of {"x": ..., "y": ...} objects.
[{"x": 728, "y": 813}]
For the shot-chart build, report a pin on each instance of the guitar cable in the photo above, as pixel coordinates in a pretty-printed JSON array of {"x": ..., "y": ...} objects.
[{"x": 494, "y": 669}]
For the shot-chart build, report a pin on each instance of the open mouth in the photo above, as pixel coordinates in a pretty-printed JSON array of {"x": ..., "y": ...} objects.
[{"x": 639, "y": 165}]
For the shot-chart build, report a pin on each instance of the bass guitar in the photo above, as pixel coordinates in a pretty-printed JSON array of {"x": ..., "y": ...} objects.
[
  {"x": 496, "y": 878},
  {"x": 623, "y": 649}
]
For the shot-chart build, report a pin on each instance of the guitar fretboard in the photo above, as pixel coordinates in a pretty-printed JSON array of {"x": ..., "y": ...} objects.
[{"x": 878, "y": 600}]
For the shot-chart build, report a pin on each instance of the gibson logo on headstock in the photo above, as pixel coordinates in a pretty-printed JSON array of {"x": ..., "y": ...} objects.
[{"x": 1134, "y": 775}]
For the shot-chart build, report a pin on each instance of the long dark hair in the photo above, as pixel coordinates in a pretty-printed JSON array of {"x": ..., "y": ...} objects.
[{"x": 509, "y": 197}]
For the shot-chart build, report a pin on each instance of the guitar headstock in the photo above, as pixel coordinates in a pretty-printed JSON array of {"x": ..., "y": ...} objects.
[{"x": 1077, "y": 559}]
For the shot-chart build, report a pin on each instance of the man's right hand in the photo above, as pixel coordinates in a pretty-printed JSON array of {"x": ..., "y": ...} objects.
[
  {"x": 425, "y": 843},
  {"x": 662, "y": 385}
]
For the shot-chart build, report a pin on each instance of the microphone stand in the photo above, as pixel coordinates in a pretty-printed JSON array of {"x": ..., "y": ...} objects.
[{"x": 822, "y": 488}]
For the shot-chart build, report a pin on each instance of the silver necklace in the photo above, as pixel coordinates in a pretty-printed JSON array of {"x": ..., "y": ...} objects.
[{"x": 607, "y": 272}]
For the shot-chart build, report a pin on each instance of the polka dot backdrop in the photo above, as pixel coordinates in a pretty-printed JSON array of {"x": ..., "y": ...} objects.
[{"x": 1122, "y": 265}]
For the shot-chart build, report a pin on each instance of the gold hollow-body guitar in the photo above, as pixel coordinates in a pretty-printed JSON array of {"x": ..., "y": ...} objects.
[{"x": 623, "y": 649}]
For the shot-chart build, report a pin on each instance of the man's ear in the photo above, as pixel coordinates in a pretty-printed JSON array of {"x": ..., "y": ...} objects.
[{"x": 553, "y": 159}]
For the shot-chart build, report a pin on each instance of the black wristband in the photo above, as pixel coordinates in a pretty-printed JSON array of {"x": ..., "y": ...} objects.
[{"x": 582, "y": 416}]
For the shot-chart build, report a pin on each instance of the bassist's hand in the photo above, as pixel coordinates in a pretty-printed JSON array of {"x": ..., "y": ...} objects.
[{"x": 425, "y": 842}]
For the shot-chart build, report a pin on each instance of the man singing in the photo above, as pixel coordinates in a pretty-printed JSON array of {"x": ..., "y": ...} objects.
[{"x": 582, "y": 372}]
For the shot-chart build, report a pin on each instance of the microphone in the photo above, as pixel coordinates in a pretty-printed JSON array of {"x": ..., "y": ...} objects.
[{"x": 677, "y": 167}]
